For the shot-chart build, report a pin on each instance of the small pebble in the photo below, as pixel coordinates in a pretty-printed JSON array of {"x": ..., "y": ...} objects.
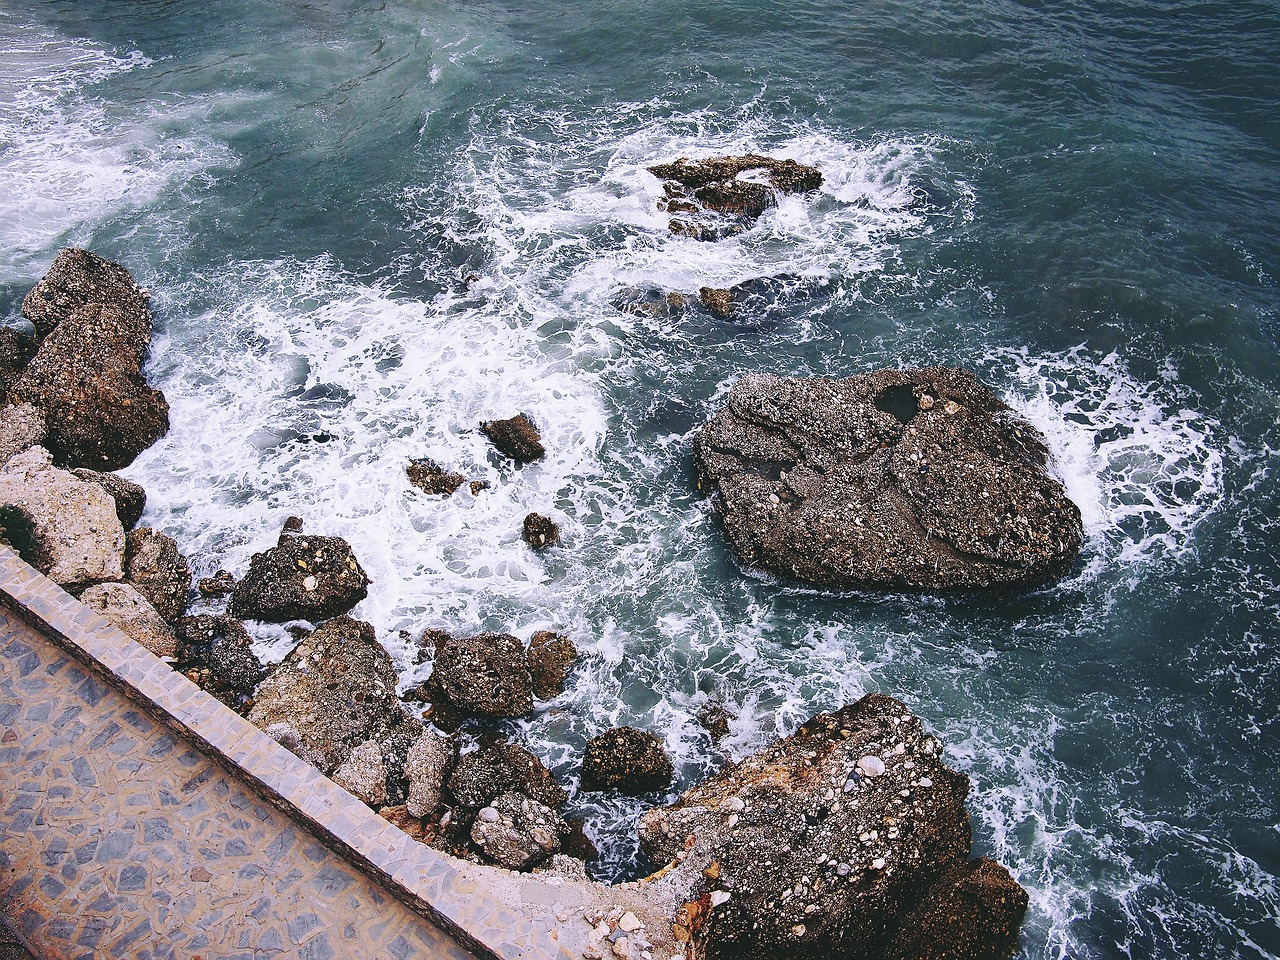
[
  {"x": 871, "y": 766},
  {"x": 488, "y": 815},
  {"x": 718, "y": 897}
]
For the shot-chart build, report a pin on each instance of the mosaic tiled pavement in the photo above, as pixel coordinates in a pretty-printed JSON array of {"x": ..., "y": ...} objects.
[{"x": 122, "y": 840}]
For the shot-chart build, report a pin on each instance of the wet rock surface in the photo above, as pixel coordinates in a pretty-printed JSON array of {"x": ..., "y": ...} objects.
[
  {"x": 540, "y": 532},
  {"x": 711, "y": 199},
  {"x": 78, "y": 277},
  {"x": 502, "y": 767},
  {"x": 133, "y": 614},
  {"x": 751, "y": 302},
  {"x": 901, "y": 479},
  {"x": 130, "y": 497},
  {"x": 551, "y": 658},
  {"x": 487, "y": 674},
  {"x": 154, "y": 567},
  {"x": 301, "y": 578},
  {"x": 628, "y": 760},
  {"x": 517, "y": 438},
  {"x": 429, "y": 477},
  {"x": 216, "y": 653},
  {"x": 827, "y": 843}
]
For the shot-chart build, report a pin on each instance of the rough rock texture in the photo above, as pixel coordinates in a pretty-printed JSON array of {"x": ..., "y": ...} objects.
[
  {"x": 21, "y": 428},
  {"x": 498, "y": 768},
  {"x": 130, "y": 497},
  {"x": 754, "y": 300},
  {"x": 216, "y": 653},
  {"x": 516, "y": 437},
  {"x": 517, "y": 832},
  {"x": 363, "y": 774},
  {"x": 551, "y": 657},
  {"x": 74, "y": 523},
  {"x": 714, "y": 718},
  {"x": 429, "y": 761},
  {"x": 540, "y": 532},
  {"x": 335, "y": 690},
  {"x": 711, "y": 201},
  {"x": 429, "y": 477},
  {"x": 901, "y": 479},
  {"x": 132, "y": 613},
  {"x": 221, "y": 584},
  {"x": 486, "y": 674},
  {"x": 823, "y": 844},
  {"x": 302, "y": 578},
  {"x": 155, "y": 568},
  {"x": 16, "y": 350},
  {"x": 628, "y": 760},
  {"x": 78, "y": 277}
]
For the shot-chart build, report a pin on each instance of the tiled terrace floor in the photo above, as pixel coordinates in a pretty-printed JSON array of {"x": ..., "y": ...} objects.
[{"x": 120, "y": 839}]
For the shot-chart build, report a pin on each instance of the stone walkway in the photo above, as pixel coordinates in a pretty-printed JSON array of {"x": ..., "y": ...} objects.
[{"x": 119, "y": 838}]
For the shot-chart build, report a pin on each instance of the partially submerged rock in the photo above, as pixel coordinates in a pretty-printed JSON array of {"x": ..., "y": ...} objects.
[
  {"x": 551, "y": 657},
  {"x": 517, "y": 438},
  {"x": 78, "y": 277},
  {"x": 753, "y": 300},
  {"x": 540, "y": 532},
  {"x": 429, "y": 477},
  {"x": 221, "y": 584},
  {"x": 130, "y": 497},
  {"x": 901, "y": 479},
  {"x": 711, "y": 198},
  {"x": 301, "y": 578},
  {"x": 155, "y": 568},
  {"x": 502, "y": 767},
  {"x": 486, "y": 674},
  {"x": 830, "y": 842},
  {"x": 628, "y": 760},
  {"x": 129, "y": 610},
  {"x": 216, "y": 653},
  {"x": 73, "y": 523}
]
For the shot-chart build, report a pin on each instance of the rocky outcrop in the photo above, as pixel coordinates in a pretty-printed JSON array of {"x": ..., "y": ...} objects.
[
  {"x": 129, "y": 610},
  {"x": 130, "y": 498},
  {"x": 73, "y": 524},
  {"x": 752, "y": 301},
  {"x": 486, "y": 674},
  {"x": 517, "y": 438},
  {"x": 21, "y": 428},
  {"x": 628, "y": 760},
  {"x": 710, "y": 199},
  {"x": 828, "y": 843},
  {"x": 900, "y": 479},
  {"x": 216, "y": 653},
  {"x": 335, "y": 690},
  {"x": 76, "y": 278},
  {"x": 551, "y": 656},
  {"x": 540, "y": 532},
  {"x": 155, "y": 568},
  {"x": 301, "y": 578}
]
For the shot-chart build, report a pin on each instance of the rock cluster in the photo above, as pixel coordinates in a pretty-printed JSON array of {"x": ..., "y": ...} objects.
[
  {"x": 492, "y": 674},
  {"x": 216, "y": 653},
  {"x": 902, "y": 479},
  {"x": 848, "y": 838},
  {"x": 754, "y": 299},
  {"x": 710, "y": 199}
]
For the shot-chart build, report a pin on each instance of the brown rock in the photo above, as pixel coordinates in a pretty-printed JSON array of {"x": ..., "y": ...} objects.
[
  {"x": 540, "y": 532},
  {"x": 498, "y": 767},
  {"x": 16, "y": 350},
  {"x": 221, "y": 584},
  {"x": 155, "y": 568},
  {"x": 551, "y": 657},
  {"x": 713, "y": 203},
  {"x": 486, "y": 674},
  {"x": 130, "y": 498},
  {"x": 628, "y": 760},
  {"x": 429, "y": 477},
  {"x": 301, "y": 578},
  {"x": 516, "y": 437},
  {"x": 76, "y": 278}
]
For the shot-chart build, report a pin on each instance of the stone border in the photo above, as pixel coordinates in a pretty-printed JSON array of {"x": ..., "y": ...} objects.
[{"x": 498, "y": 914}]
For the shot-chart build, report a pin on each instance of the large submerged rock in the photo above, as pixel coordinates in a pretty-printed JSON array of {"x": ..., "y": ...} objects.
[
  {"x": 626, "y": 759},
  {"x": 831, "y": 842},
  {"x": 301, "y": 578},
  {"x": 720, "y": 196},
  {"x": 901, "y": 479}
]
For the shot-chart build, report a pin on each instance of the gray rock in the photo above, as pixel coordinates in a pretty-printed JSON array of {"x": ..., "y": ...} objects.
[
  {"x": 520, "y": 834},
  {"x": 497, "y": 768},
  {"x": 76, "y": 278},
  {"x": 155, "y": 568},
  {"x": 486, "y": 674},
  {"x": 130, "y": 497},
  {"x": 429, "y": 761},
  {"x": 301, "y": 578},
  {"x": 129, "y": 610},
  {"x": 216, "y": 652},
  {"x": 74, "y": 523},
  {"x": 364, "y": 775},
  {"x": 626, "y": 759},
  {"x": 899, "y": 479},
  {"x": 21, "y": 428}
]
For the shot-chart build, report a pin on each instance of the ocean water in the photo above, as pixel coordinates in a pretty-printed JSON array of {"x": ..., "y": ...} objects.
[{"x": 369, "y": 227}]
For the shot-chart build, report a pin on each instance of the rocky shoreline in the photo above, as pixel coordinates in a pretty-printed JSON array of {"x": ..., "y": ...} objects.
[{"x": 850, "y": 835}]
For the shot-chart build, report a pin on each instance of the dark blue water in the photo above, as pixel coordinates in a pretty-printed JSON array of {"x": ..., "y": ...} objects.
[{"x": 1079, "y": 201}]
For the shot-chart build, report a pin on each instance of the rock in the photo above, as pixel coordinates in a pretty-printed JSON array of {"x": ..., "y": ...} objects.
[
  {"x": 16, "y": 350},
  {"x": 540, "y": 532},
  {"x": 413, "y": 826},
  {"x": 221, "y": 584},
  {"x": 520, "y": 833},
  {"x": 755, "y": 300},
  {"x": 336, "y": 689},
  {"x": 130, "y": 497},
  {"x": 129, "y": 610},
  {"x": 363, "y": 774},
  {"x": 216, "y": 653},
  {"x": 429, "y": 477},
  {"x": 155, "y": 568},
  {"x": 972, "y": 912},
  {"x": 429, "y": 761},
  {"x": 496, "y": 768},
  {"x": 626, "y": 759},
  {"x": 710, "y": 200},
  {"x": 302, "y": 578},
  {"x": 486, "y": 674},
  {"x": 77, "y": 278},
  {"x": 819, "y": 862},
  {"x": 714, "y": 718},
  {"x": 565, "y": 866},
  {"x": 21, "y": 428},
  {"x": 516, "y": 437},
  {"x": 551, "y": 657},
  {"x": 73, "y": 524},
  {"x": 900, "y": 479}
]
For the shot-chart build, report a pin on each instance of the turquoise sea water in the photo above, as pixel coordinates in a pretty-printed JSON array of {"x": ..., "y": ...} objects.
[{"x": 1079, "y": 201}]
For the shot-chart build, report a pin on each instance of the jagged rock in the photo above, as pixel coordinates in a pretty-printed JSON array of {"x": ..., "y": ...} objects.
[
  {"x": 335, "y": 689},
  {"x": 486, "y": 674},
  {"x": 429, "y": 761},
  {"x": 216, "y": 652},
  {"x": 155, "y": 568},
  {"x": 429, "y": 477},
  {"x": 565, "y": 866},
  {"x": 221, "y": 584},
  {"x": 76, "y": 278},
  {"x": 21, "y": 428},
  {"x": 72, "y": 523},
  {"x": 711, "y": 202},
  {"x": 130, "y": 497},
  {"x": 16, "y": 350},
  {"x": 755, "y": 300},
  {"x": 820, "y": 845},
  {"x": 496, "y": 768},
  {"x": 540, "y": 532},
  {"x": 714, "y": 718},
  {"x": 551, "y": 657},
  {"x": 133, "y": 614},
  {"x": 413, "y": 826},
  {"x": 517, "y": 832},
  {"x": 900, "y": 479},
  {"x": 516, "y": 437},
  {"x": 626, "y": 759},
  {"x": 363, "y": 774},
  {"x": 301, "y": 578}
]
